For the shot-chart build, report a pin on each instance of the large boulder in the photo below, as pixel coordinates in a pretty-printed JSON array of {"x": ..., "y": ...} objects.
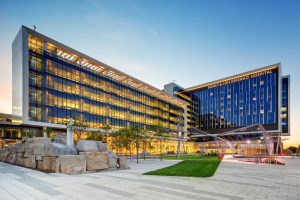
[
  {"x": 27, "y": 154},
  {"x": 101, "y": 146},
  {"x": 112, "y": 159},
  {"x": 11, "y": 158},
  {"x": 39, "y": 157},
  {"x": 71, "y": 164},
  {"x": 4, "y": 154},
  {"x": 87, "y": 146},
  {"x": 96, "y": 161},
  {"x": 47, "y": 164},
  {"x": 122, "y": 162},
  {"x": 29, "y": 162},
  {"x": 41, "y": 140},
  {"x": 56, "y": 149},
  {"x": 21, "y": 161},
  {"x": 36, "y": 145},
  {"x": 20, "y": 155},
  {"x": 20, "y": 148},
  {"x": 13, "y": 149},
  {"x": 60, "y": 138}
]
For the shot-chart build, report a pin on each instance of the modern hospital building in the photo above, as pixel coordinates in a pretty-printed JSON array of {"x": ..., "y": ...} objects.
[{"x": 53, "y": 82}]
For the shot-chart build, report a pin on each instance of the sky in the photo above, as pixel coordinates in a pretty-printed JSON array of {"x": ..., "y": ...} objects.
[{"x": 186, "y": 41}]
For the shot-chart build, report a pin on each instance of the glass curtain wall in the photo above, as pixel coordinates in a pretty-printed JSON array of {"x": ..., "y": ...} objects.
[
  {"x": 285, "y": 104},
  {"x": 242, "y": 103},
  {"x": 60, "y": 89}
]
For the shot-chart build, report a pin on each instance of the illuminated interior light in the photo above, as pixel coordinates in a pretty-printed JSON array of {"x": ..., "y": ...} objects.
[
  {"x": 59, "y": 53},
  {"x": 112, "y": 74},
  {"x": 74, "y": 59}
]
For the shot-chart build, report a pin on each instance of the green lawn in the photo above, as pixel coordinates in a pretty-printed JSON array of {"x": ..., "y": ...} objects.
[
  {"x": 185, "y": 157},
  {"x": 192, "y": 166}
]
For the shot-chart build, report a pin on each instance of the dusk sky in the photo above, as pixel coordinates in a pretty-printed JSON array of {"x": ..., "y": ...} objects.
[{"x": 191, "y": 42}]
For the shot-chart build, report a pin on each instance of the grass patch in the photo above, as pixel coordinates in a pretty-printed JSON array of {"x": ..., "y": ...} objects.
[
  {"x": 191, "y": 166},
  {"x": 186, "y": 157}
]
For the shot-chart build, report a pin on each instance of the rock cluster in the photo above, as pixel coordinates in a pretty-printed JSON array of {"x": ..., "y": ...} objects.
[{"x": 39, "y": 153}]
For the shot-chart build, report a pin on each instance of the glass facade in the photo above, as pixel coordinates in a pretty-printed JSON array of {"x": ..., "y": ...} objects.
[
  {"x": 285, "y": 105},
  {"x": 236, "y": 102},
  {"x": 63, "y": 85}
]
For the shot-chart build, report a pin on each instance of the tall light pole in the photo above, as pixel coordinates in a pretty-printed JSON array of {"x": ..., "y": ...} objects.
[
  {"x": 178, "y": 135},
  {"x": 277, "y": 147}
]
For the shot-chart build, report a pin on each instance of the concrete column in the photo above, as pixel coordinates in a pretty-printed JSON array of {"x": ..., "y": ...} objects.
[
  {"x": 70, "y": 141},
  {"x": 185, "y": 121}
]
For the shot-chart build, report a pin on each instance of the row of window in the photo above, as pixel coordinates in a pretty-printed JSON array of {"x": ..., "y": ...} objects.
[
  {"x": 285, "y": 105},
  {"x": 97, "y": 83},
  {"x": 85, "y": 105},
  {"x": 80, "y": 93},
  {"x": 71, "y": 87},
  {"x": 101, "y": 96},
  {"x": 60, "y": 116},
  {"x": 238, "y": 104}
]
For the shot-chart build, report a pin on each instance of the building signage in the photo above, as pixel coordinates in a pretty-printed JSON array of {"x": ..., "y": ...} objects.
[{"x": 241, "y": 78}]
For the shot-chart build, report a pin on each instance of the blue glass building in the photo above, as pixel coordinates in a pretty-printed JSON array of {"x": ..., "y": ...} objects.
[{"x": 260, "y": 96}]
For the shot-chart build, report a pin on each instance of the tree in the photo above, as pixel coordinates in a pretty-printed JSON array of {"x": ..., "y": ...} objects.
[
  {"x": 106, "y": 128},
  {"x": 115, "y": 140},
  {"x": 161, "y": 138},
  {"x": 120, "y": 139},
  {"x": 79, "y": 126},
  {"x": 94, "y": 136},
  {"x": 128, "y": 138},
  {"x": 48, "y": 131},
  {"x": 293, "y": 149},
  {"x": 136, "y": 137},
  {"x": 146, "y": 142}
]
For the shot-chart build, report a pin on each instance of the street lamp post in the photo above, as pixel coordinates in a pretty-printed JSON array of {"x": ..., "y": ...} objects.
[{"x": 178, "y": 136}]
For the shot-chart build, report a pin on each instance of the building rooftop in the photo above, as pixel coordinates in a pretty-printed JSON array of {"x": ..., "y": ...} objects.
[{"x": 232, "y": 79}]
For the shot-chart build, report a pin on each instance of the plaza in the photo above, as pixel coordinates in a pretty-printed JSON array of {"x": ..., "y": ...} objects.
[
  {"x": 233, "y": 180},
  {"x": 56, "y": 83},
  {"x": 149, "y": 100}
]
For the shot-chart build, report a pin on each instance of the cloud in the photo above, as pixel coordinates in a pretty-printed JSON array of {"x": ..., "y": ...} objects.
[
  {"x": 153, "y": 32},
  {"x": 5, "y": 97}
]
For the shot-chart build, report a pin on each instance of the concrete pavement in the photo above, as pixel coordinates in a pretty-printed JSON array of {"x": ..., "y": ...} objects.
[{"x": 233, "y": 180}]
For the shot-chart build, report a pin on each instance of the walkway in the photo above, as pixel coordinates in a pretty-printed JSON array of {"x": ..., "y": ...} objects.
[{"x": 233, "y": 180}]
